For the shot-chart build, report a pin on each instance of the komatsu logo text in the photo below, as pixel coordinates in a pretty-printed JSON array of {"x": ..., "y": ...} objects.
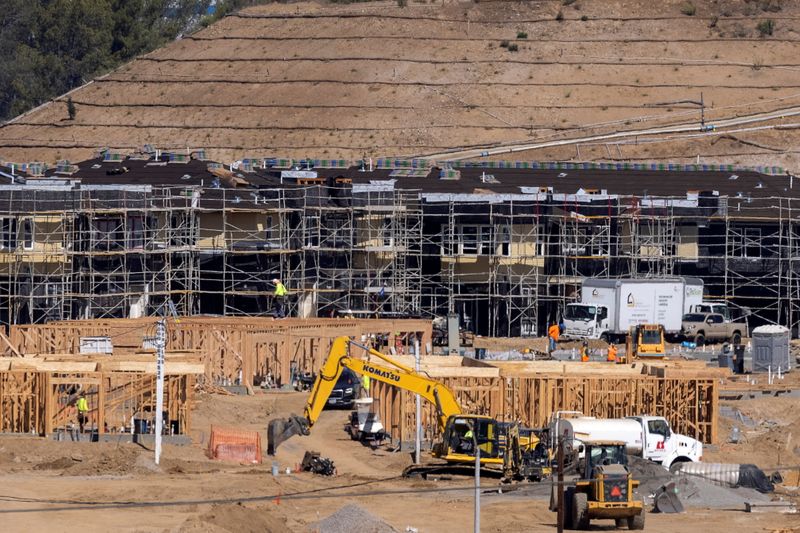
[{"x": 382, "y": 373}]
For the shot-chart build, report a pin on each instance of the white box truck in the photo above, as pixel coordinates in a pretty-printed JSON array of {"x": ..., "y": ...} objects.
[
  {"x": 649, "y": 437},
  {"x": 609, "y": 307}
]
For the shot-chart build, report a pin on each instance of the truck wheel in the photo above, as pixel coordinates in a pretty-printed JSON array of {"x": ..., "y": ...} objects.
[
  {"x": 699, "y": 339},
  {"x": 636, "y": 522},
  {"x": 736, "y": 338},
  {"x": 619, "y": 522},
  {"x": 580, "y": 511},
  {"x": 604, "y": 337}
]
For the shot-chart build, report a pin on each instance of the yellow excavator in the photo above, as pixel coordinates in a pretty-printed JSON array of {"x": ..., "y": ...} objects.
[{"x": 507, "y": 447}]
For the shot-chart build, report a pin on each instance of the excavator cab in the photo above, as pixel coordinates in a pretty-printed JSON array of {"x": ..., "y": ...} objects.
[{"x": 461, "y": 434}]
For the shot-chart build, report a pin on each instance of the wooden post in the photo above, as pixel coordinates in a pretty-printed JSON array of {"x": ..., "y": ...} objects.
[{"x": 101, "y": 405}]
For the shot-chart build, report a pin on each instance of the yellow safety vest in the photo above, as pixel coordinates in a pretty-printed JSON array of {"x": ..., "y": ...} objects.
[
  {"x": 280, "y": 290},
  {"x": 366, "y": 383},
  {"x": 83, "y": 405}
]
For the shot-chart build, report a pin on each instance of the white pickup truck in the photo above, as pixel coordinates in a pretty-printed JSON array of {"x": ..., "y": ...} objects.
[{"x": 649, "y": 437}]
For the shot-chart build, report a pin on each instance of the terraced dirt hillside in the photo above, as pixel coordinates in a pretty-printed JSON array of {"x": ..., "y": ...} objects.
[{"x": 453, "y": 80}]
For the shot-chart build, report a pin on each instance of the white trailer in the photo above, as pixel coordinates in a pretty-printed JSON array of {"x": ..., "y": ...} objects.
[
  {"x": 649, "y": 437},
  {"x": 609, "y": 307}
]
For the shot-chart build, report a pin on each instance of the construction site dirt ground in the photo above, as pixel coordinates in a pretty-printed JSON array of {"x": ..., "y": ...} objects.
[{"x": 91, "y": 487}]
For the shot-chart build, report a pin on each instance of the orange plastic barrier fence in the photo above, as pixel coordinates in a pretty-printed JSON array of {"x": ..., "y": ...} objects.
[{"x": 229, "y": 444}]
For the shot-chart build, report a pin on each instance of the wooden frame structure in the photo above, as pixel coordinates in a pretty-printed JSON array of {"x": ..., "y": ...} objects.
[
  {"x": 233, "y": 350},
  {"x": 690, "y": 404},
  {"x": 42, "y": 403}
]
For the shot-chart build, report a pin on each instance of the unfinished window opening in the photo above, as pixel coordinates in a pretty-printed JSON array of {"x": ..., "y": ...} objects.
[
  {"x": 387, "y": 232},
  {"x": 27, "y": 233},
  {"x": 136, "y": 231},
  {"x": 311, "y": 231},
  {"x": 108, "y": 234},
  {"x": 8, "y": 234},
  {"x": 752, "y": 242}
]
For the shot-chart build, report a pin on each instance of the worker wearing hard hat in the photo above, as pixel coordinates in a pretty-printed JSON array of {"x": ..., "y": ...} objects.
[
  {"x": 279, "y": 297},
  {"x": 612, "y": 353},
  {"x": 552, "y": 336},
  {"x": 585, "y": 352}
]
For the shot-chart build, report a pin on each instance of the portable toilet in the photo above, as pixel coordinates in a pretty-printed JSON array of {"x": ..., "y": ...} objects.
[{"x": 771, "y": 349}]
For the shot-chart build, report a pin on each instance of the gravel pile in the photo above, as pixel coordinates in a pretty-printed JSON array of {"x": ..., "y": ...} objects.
[
  {"x": 692, "y": 491},
  {"x": 352, "y": 518}
]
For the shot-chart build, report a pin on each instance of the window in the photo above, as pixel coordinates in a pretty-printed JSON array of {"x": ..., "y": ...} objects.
[
  {"x": 579, "y": 312},
  {"x": 715, "y": 319},
  {"x": 386, "y": 232},
  {"x": 658, "y": 427},
  {"x": 108, "y": 234},
  {"x": 745, "y": 242},
  {"x": 479, "y": 240},
  {"x": 8, "y": 234},
  {"x": 27, "y": 233},
  {"x": 651, "y": 336},
  {"x": 752, "y": 242},
  {"x": 136, "y": 231}
]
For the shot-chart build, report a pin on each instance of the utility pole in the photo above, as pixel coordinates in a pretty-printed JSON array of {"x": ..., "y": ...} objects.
[
  {"x": 418, "y": 438},
  {"x": 161, "y": 341},
  {"x": 477, "y": 526},
  {"x": 560, "y": 485}
]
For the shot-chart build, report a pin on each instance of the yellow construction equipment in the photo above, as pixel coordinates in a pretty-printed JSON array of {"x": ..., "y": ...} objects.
[
  {"x": 645, "y": 341},
  {"x": 517, "y": 452},
  {"x": 605, "y": 489}
]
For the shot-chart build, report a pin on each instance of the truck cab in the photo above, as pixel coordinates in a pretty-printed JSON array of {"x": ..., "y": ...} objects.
[
  {"x": 586, "y": 321},
  {"x": 661, "y": 445},
  {"x": 713, "y": 307}
]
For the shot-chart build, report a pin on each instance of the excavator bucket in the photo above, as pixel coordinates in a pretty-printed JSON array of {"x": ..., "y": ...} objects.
[
  {"x": 666, "y": 499},
  {"x": 281, "y": 429}
]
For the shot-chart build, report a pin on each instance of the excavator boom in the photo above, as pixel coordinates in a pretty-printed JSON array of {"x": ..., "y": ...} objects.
[{"x": 393, "y": 373}]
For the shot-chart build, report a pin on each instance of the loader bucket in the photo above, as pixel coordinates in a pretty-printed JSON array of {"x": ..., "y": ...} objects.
[
  {"x": 666, "y": 499},
  {"x": 281, "y": 429}
]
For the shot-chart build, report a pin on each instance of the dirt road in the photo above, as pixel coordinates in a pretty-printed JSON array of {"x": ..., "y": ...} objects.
[{"x": 96, "y": 487}]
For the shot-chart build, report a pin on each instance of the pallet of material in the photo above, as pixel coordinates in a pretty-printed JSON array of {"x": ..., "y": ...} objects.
[
  {"x": 40, "y": 365},
  {"x": 171, "y": 368},
  {"x": 686, "y": 372},
  {"x": 564, "y": 368}
]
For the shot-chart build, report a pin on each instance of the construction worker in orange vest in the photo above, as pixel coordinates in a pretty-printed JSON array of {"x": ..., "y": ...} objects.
[
  {"x": 585, "y": 352},
  {"x": 612, "y": 353},
  {"x": 552, "y": 336}
]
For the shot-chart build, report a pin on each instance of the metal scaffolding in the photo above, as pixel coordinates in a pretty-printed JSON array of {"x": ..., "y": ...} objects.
[{"x": 505, "y": 263}]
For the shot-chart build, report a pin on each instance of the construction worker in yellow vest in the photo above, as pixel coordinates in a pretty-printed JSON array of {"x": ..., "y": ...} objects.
[
  {"x": 612, "y": 353},
  {"x": 585, "y": 352},
  {"x": 279, "y": 297},
  {"x": 365, "y": 386},
  {"x": 83, "y": 410}
]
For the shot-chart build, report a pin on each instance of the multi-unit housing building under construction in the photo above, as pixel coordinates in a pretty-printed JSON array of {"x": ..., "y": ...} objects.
[{"x": 502, "y": 246}]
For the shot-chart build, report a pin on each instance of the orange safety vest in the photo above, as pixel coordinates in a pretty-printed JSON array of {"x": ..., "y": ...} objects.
[
  {"x": 553, "y": 331},
  {"x": 612, "y": 354},
  {"x": 584, "y": 355}
]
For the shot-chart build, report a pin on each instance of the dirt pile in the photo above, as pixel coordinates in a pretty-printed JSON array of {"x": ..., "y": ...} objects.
[
  {"x": 236, "y": 518},
  {"x": 352, "y": 518}
]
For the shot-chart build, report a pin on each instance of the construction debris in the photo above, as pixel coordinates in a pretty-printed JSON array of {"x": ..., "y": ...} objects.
[{"x": 314, "y": 463}]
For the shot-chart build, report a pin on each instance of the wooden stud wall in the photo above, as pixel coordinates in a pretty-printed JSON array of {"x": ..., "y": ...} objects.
[
  {"x": 44, "y": 402},
  {"x": 230, "y": 348},
  {"x": 691, "y": 405}
]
